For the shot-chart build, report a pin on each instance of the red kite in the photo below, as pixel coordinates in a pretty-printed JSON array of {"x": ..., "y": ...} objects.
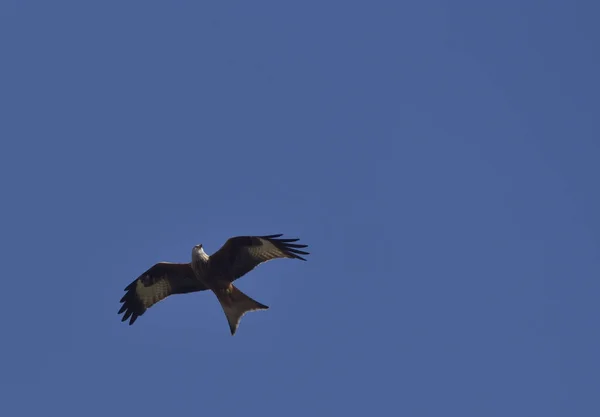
[{"x": 238, "y": 256}]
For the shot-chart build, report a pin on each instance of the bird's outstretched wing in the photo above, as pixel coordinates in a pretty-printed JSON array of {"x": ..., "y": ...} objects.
[
  {"x": 157, "y": 283},
  {"x": 241, "y": 254}
]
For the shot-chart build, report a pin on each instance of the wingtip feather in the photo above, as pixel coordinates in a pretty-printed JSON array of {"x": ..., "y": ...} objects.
[
  {"x": 286, "y": 245},
  {"x": 271, "y": 236}
]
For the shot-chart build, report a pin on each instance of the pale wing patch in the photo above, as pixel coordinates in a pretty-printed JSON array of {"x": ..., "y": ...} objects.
[
  {"x": 153, "y": 293},
  {"x": 266, "y": 251}
]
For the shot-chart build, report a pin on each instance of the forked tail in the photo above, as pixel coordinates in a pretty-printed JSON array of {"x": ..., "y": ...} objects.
[{"x": 235, "y": 304}]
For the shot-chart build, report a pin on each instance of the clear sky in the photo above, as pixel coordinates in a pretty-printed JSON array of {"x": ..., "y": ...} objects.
[{"x": 440, "y": 158}]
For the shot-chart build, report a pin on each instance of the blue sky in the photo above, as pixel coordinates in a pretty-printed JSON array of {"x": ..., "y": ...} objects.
[{"x": 440, "y": 159}]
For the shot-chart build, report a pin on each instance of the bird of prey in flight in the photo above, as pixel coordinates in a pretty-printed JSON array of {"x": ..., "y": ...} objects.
[{"x": 238, "y": 256}]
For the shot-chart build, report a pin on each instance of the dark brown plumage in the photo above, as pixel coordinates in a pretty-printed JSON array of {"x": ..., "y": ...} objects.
[
  {"x": 158, "y": 282},
  {"x": 238, "y": 256}
]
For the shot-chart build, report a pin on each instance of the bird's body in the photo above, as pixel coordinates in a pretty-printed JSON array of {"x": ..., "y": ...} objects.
[{"x": 238, "y": 256}]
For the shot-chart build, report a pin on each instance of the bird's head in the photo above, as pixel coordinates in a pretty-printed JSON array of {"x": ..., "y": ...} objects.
[{"x": 198, "y": 252}]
